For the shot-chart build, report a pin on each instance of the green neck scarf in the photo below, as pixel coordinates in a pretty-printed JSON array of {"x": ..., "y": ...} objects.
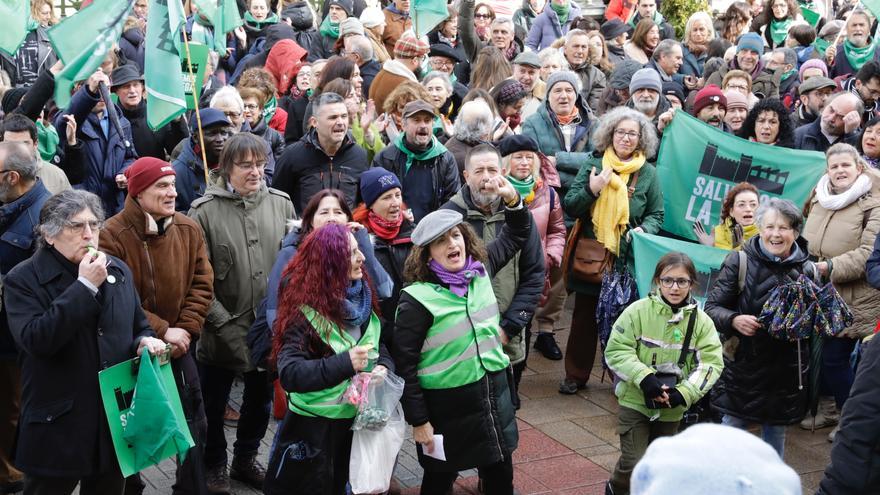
[
  {"x": 436, "y": 149},
  {"x": 47, "y": 141},
  {"x": 329, "y": 28},
  {"x": 779, "y": 30},
  {"x": 523, "y": 187},
  {"x": 562, "y": 12},
  {"x": 269, "y": 109},
  {"x": 658, "y": 19},
  {"x": 857, "y": 57},
  {"x": 259, "y": 25},
  {"x": 788, "y": 74}
]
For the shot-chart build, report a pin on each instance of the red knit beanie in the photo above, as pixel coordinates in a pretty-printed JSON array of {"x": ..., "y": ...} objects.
[
  {"x": 144, "y": 172},
  {"x": 709, "y": 95}
]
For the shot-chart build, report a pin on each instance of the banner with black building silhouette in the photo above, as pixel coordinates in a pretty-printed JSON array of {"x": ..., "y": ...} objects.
[
  {"x": 698, "y": 164},
  {"x": 648, "y": 249}
]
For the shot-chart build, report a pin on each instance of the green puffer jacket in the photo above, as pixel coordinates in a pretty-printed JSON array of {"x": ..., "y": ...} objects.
[
  {"x": 645, "y": 211},
  {"x": 243, "y": 236},
  {"x": 648, "y": 332}
]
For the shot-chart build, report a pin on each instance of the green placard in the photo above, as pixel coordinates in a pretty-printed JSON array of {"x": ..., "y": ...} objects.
[
  {"x": 648, "y": 249},
  {"x": 697, "y": 165},
  {"x": 199, "y": 53},
  {"x": 117, "y": 389}
]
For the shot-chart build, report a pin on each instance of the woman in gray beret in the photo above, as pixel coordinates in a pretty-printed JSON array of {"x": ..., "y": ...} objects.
[{"x": 447, "y": 347}]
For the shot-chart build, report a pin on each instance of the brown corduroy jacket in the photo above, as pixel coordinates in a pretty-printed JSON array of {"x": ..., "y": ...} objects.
[{"x": 172, "y": 274}]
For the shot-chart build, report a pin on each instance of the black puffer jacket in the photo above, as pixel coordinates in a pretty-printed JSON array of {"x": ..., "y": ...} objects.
[
  {"x": 303, "y": 23},
  {"x": 392, "y": 255},
  {"x": 760, "y": 383},
  {"x": 272, "y": 137}
]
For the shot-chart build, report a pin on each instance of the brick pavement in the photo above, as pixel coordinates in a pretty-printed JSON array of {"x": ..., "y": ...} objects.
[{"x": 568, "y": 444}]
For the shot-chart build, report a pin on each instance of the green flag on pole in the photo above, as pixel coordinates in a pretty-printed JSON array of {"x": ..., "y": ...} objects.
[
  {"x": 15, "y": 14},
  {"x": 698, "y": 164},
  {"x": 83, "y": 40},
  {"x": 165, "y": 96},
  {"x": 873, "y": 6},
  {"x": 648, "y": 249},
  {"x": 223, "y": 15},
  {"x": 426, "y": 14},
  {"x": 811, "y": 16}
]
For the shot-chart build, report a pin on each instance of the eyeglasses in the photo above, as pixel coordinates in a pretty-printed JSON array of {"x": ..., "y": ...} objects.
[
  {"x": 250, "y": 106},
  {"x": 681, "y": 283},
  {"x": 620, "y": 133},
  {"x": 80, "y": 227},
  {"x": 251, "y": 165},
  {"x": 482, "y": 16},
  {"x": 232, "y": 115}
]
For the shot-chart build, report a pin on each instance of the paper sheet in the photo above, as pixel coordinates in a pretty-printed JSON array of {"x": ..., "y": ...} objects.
[{"x": 438, "y": 452}]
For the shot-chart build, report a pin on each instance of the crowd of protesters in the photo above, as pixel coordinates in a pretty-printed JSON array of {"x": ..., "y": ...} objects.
[{"x": 350, "y": 187}]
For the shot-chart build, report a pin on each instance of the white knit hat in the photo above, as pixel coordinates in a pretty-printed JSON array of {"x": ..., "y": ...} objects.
[{"x": 372, "y": 17}]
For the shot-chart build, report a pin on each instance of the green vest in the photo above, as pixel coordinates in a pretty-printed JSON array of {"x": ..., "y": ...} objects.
[
  {"x": 463, "y": 343},
  {"x": 329, "y": 403}
]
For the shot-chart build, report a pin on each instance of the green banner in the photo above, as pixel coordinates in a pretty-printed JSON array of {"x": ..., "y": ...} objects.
[
  {"x": 648, "y": 249},
  {"x": 223, "y": 15},
  {"x": 199, "y": 54},
  {"x": 427, "y": 14},
  {"x": 117, "y": 392},
  {"x": 165, "y": 100},
  {"x": 698, "y": 164},
  {"x": 16, "y": 14},
  {"x": 811, "y": 16}
]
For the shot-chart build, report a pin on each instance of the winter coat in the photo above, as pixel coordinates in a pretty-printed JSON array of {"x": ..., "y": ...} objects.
[
  {"x": 393, "y": 73},
  {"x": 459, "y": 150},
  {"x": 692, "y": 64},
  {"x": 391, "y": 255},
  {"x": 305, "y": 168},
  {"x": 158, "y": 143},
  {"x": 645, "y": 211},
  {"x": 284, "y": 62},
  {"x": 855, "y": 460},
  {"x": 760, "y": 383},
  {"x": 380, "y": 52},
  {"x": 593, "y": 82},
  {"x": 543, "y": 128},
  {"x": 523, "y": 19},
  {"x": 765, "y": 82},
  {"x": 634, "y": 52},
  {"x": 66, "y": 336},
  {"x": 105, "y": 157},
  {"x": 296, "y": 113},
  {"x": 131, "y": 43},
  {"x": 476, "y": 420},
  {"x": 619, "y": 9},
  {"x": 18, "y": 223},
  {"x": 395, "y": 25},
  {"x": 667, "y": 32},
  {"x": 841, "y": 65},
  {"x": 519, "y": 285},
  {"x": 810, "y": 137},
  {"x": 462, "y": 69},
  {"x": 546, "y": 29},
  {"x": 467, "y": 32},
  {"x": 243, "y": 235},
  {"x": 172, "y": 294},
  {"x": 369, "y": 71},
  {"x": 426, "y": 185},
  {"x": 546, "y": 210},
  {"x": 190, "y": 177},
  {"x": 302, "y": 20},
  {"x": 45, "y": 57},
  {"x": 649, "y": 334},
  {"x": 845, "y": 238},
  {"x": 272, "y": 137}
]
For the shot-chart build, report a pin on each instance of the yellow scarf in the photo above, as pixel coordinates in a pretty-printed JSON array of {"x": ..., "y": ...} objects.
[
  {"x": 724, "y": 234},
  {"x": 611, "y": 210}
]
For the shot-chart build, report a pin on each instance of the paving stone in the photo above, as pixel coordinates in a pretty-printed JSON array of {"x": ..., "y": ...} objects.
[
  {"x": 557, "y": 408},
  {"x": 598, "y": 450},
  {"x": 534, "y": 444},
  {"x": 567, "y": 471},
  {"x": 604, "y": 427},
  {"x": 570, "y": 435}
]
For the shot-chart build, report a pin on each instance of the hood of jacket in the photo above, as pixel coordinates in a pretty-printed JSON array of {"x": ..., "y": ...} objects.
[
  {"x": 300, "y": 15},
  {"x": 284, "y": 62}
]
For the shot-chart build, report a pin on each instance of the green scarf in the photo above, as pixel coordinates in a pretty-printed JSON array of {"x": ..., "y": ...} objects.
[
  {"x": 436, "y": 149},
  {"x": 47, "y": 141},
  {"x": 32, "y": 24},
  {"x": 788, "y": 74},
  {"x": 779, "y": 30},
  {"x": 259, "y": 25},
  {"x": 523, "y": 187},
  {"x": 329, "y": 28},
  {"x": 562, "y": 12},
  {"x": 269, "y": 109},
  {"x": 658, "y": 19},
  {"x": 857, "y": 57}
]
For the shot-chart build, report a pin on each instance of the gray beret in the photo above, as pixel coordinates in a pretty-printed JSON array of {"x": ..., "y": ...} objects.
[{"x": 434, "y": 225}]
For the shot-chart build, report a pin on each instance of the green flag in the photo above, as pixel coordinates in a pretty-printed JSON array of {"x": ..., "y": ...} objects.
[
  {"x": 15, "y": 14},
  {"x": 83, "y": 40},
  {"x": 151, "y": 424},
  {"x": 165, "y": 97},
  {"x": 698, "y": 164},
  {"x": 426, "y": 14},
  {"x": 873, "y": 6},
  {"x": 810, "y": 16},
  {"x": 223, "y": 15},
  {"x": 648, "y": 249}
]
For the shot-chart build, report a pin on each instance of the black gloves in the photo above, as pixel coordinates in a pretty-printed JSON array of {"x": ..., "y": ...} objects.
[
  {"x": 651, "y": 386},
  {"x": 675, "y": 398}
]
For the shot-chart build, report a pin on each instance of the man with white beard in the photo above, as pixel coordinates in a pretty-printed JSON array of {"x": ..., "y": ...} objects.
[{"x": 645, "y": 90}]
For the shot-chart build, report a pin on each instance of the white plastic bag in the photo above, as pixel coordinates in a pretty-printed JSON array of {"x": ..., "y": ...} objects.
[{"x": 373, "y": 454}]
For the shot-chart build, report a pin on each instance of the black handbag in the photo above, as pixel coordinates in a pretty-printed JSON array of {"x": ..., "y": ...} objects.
[{"x": 669, "y": 379}]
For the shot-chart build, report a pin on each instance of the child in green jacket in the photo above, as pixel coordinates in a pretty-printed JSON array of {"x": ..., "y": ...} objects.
[{"x": 645, "y": 345}]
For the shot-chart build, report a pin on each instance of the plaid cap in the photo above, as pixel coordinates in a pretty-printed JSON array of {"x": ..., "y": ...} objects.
[{"x": 408, "y": 46}]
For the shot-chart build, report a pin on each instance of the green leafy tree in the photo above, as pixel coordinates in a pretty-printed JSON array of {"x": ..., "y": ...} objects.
[{"x": 677, "y": 12}]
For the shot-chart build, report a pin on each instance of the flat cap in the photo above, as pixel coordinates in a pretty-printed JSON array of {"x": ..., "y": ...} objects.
[
  {"x": 528, "y": 58},
  {"x": 434, "y": 225},
  {"x": 816, "y": 82}
]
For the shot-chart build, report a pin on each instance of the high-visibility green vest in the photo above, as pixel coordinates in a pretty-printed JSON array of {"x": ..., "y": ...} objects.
[
  {"x": 463, "y": 343},
  {"x": 329, "y": 403}
]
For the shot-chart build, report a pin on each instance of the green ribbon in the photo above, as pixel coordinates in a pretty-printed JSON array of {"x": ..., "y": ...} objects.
[
  {"x": 436, "y": 149},
  {"x": 779, "y": 30},
  {"x": 562, "y": 11},
  {"x": 269, "y": 109},
  {"x": 329, "y": 28},
  {"x": 259, "y": 25},
  {"x": 856, "y": 56},
  {"x": 523, "y": 187}
]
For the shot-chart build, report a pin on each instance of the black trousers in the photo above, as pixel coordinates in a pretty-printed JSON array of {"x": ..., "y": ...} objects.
[
  {"x": 104, "y": 484},
  {"x": 254, "y": 420},
  {"x": 497, "y": 480}
]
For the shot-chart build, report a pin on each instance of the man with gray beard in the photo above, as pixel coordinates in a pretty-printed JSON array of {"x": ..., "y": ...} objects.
[{"x": 645, "y": 90}]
